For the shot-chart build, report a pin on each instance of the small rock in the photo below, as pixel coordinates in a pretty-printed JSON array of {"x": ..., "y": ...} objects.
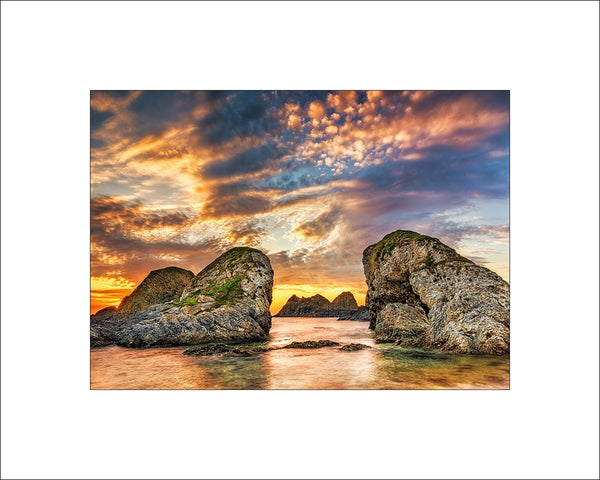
[
  {"x": 353, "y": 347},
  {"x": 223, "y": 349},
  {"x": 312, "y": 344}
]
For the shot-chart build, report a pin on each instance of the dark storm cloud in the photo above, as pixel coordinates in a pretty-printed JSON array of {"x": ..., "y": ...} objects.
[
  {"x": 249, "y": 161},
  {"x": 155, "y": 111},
  {"x": 242, "y": 114},
  {"x": 237, "y": 114},
  {"x": 163, "y": 105},
  {"x": 98, "y": 118}
]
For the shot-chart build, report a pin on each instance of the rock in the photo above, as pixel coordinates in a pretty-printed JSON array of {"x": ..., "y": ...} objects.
[
  {"x": 227, "y": 300},
  {"x": 360, "y": 315},
  {"x": 315, "y": 306},
  {"x": 466, "y": 306},
  {"x": 318, "y": 306},
  {"x": 104, "y": 313},
  {"x": 159, "y": 286},
  {"x": 312, "y": 344},
  {"x": 345, "y": 301},
  {"x": 353, "y": 347},
  {"x": 401, "y": 323},
  {"x": 103, "y": 325},
  {"x": 225, "y": 350}
]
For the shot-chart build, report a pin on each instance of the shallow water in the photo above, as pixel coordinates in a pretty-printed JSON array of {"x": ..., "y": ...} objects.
[{"x": 381, "y": 367}]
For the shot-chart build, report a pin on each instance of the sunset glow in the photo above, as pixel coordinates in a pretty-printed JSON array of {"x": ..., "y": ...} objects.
[{"x": 310, "y": 178}]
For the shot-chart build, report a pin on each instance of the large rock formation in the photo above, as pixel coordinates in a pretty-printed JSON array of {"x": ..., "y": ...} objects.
[
  {"x": 424, "y": 294},
  {"x": 318, "y": 306},
  {"x": 227, "y": 300},
  {"x": 159, "y": 286}
]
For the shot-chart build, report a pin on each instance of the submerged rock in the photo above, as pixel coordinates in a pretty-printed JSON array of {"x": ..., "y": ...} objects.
[
  {"x": 250, "y": 350},
  {"x": 423, "y": 294},
  {"x": 318, "y": 306},
  {"x": 225, "y": 350},
  {"x": 312, "y": 344},
  {"x": 227, "y": 300},
  {"x": 353, "y": 347}
]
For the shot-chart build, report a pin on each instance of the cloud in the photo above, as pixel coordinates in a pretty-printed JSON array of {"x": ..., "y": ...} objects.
[
  {"x": 320, "y": 227},
  {"x": 237, "y": 206},
  {"x": 313, "y": 177},
  {"x": 316, "y": 110},
  {"x": 453, "y": 232},
  {"x": 249, "y": 161},
  {"x": 128, "y": 240},
  {"x": 247, "y": 232},
  {"x": 238, "y": 114},
  {"x": 293, "y": 121}
]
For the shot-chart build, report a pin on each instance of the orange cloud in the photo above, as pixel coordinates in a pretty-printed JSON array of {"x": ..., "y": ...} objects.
[
  {"x": 293, "y": 121},
  {"x": 316, "y": 110}
]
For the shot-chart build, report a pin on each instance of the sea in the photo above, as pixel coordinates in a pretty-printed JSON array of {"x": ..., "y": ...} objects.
[{"x": 380, "y": 367}]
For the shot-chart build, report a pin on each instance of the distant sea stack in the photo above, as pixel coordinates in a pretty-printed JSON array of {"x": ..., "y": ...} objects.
[
  {"x": 345, "y": 301},
  {"x": 318, "y": 306},
  {"x": 423, "y": 294},
  {"x": 227, "y": 300}
]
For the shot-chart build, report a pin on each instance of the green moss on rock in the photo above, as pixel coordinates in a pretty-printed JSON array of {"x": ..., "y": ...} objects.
[
  {"x": 223, "y": 294},
  {"x": 387, "y": 244}
]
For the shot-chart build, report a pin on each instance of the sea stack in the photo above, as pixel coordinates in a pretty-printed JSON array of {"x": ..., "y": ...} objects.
[
  {"x": 421, "y": 293},
  {"x": 227, "y": 300},
  {"x": 318, "y": 306}
]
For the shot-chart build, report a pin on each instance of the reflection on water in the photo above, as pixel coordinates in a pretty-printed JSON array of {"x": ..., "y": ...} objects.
[{"x": 380, "y": 367}]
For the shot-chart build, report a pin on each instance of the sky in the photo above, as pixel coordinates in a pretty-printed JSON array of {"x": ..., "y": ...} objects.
[{"x": 311, "y": 178}]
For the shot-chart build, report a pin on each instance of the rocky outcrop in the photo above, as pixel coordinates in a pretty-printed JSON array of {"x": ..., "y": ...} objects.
[
  {"x": 359, "y": 315},
  {"x": 230, "y": 350},
  {"x": 159, "y": 286},
  {"x": 318, "y": 306},
  {"x": 402, "y": 323},
  {"x": 105, "y": 313},
  {"x": 423, "y": 294},
  {"x": 345, "y": 301},
  {"x": 315, "y": 306},
  {"x": 227, "y": 300}
]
